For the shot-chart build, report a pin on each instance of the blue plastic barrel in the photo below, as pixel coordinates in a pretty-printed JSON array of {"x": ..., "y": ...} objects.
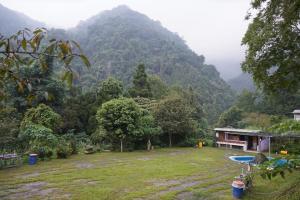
[
  {"x": 237, "y": 190},
  {"x": 32, "y": 159}
]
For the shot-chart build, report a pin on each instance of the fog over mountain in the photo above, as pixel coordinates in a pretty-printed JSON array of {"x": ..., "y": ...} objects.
[
  {"x": 117, "y": 40},
  {"x": 213, "y": 28},
  {"x": 11, "y": 21}
]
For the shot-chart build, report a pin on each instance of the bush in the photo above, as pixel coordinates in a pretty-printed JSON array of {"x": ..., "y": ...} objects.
[
  {"x": 189, "y": 142},
  {"x": 72, "y": 140},
  {"x": 43, "y": 152},
  {"x": 39, "y": 139},
  {"x": 293, "y": 148},
  {"x": 63, "y": 149},
  {"x": 42, "y": 115},
  {"x": 209, "y": 142}
]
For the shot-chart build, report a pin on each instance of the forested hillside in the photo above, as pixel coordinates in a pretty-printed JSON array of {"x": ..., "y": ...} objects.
[
  {"x": 117, "y": 41},
  {"x": 12, "y": 21},
  {"x": 242, "y": 82}
]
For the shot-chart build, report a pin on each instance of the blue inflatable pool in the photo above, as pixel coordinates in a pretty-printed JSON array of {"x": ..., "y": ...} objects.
[{"x": 242, "y": 159}]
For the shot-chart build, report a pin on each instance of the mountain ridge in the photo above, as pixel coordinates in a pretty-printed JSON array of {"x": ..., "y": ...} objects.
[
  {"x": 117, "y": 40},
  {"x": 11, "y": 21}
]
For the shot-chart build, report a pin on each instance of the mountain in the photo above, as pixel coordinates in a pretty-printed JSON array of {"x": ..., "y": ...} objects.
[
  {"x": 242, "y": 82},
  {"x": 11, "y": 21},
  {"x": 116, "y": 41}
]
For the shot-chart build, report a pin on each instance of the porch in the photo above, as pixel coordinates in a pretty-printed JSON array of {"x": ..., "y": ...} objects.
[{"x": 246, "y": 140}]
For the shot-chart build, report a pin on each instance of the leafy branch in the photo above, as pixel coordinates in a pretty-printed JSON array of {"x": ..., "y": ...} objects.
[{"x": 28, "y": 47}]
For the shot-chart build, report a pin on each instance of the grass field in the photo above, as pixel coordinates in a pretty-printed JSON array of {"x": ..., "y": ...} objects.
[{"x": 176, "y": 173}]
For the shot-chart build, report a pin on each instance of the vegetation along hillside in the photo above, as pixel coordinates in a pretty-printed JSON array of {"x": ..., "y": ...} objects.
[
  {"x": 116, "y": 41},
  {"x": 242, "y": 82}
]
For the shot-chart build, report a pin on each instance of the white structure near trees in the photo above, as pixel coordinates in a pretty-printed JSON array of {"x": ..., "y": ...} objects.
[{"x": 296, "y": 115}]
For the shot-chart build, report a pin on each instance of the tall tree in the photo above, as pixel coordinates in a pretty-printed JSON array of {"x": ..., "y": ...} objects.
[
  {"x": 149, "y": 128},
  {"x": 44, "y": 87},
  {"x": 110, "y": 88},
  {"x": 231, "y": 117},
  {"x": 273, "y": 45},
  {"x": 158, "y": 87},
  {"x": 173, "y": 115},
  {"x": 141, "y": 86},
  {"x": 120, "y": 119}
]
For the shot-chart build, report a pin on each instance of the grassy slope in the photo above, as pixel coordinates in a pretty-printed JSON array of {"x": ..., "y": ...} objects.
[{"x": 162, "y": 174}]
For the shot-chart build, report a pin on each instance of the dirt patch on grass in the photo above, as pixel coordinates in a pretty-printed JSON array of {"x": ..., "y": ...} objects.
[
  {"x": 84, "y": 165},
  {"x": 30, "y": 175},
  {"x": 181, "y": 185},
  {"x": 185, "y": 196},
  {"x": 33, "y": 186},
  {"x": 86, "y": 181},
  {"x": 160, "y": 183},
  {"x": 31, "y": 190},
  {"x": 144, "y": 158}
]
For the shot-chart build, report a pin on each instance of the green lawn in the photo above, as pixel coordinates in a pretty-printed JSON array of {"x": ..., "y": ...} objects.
[{"x": 176, "y": 173}]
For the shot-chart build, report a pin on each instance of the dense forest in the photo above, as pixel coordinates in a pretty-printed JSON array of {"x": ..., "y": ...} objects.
[
  {"x": 118, "y": 40},
  {"x": 137, "y": 67}
]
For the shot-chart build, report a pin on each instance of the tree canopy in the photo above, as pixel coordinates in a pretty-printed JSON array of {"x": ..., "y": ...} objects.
[
  {"x": 27, "y": 47},
  {"x": 141, "y": 86},
  {"x": 120, "y": 119},
  {"x": 110, "y": 88},
  {"x": 174, "y": 116},
  {"x": 272, "y": 40},
  {"x": 42, "y": 115}
]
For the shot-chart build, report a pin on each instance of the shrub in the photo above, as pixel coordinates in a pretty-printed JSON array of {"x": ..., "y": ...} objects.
[
  {"x": 189, "y": 142},
  {"x": 39, "y": 139},
  {"x": 209, "y": 142},
  {"x": 98, "y": 136},
  {"x": 63, "y": 149},
  {"x": 43, "y": 151},
  {"x": 9, "y": 128},
  {"x": 72, "y": 140},
  {"x": 42, "y": 115}
]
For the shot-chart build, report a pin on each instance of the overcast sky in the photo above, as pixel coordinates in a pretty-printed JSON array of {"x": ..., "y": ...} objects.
[{"x": 213, "y": 28}]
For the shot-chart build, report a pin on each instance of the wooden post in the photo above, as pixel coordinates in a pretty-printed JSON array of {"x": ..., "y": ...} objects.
[
  {"x": 269, "y": 147},
  {"x": 121, "y": 145}
]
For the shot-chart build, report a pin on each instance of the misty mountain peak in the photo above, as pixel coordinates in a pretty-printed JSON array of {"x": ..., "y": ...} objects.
[
  {"x": 11, "y": 21},
  {"x": 122, "y": 8}
]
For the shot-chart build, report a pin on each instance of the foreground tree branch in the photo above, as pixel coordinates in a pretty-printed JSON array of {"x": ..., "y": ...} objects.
[{"x": 27, "y": 47}]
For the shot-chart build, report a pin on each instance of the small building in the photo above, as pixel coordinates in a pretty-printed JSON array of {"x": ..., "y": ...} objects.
[
  {"x": 247, "y": 140},
  {"x": 296, "y": 115}
]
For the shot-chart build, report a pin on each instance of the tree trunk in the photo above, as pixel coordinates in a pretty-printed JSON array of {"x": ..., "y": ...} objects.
[
  {"x": 149, "y": 145},
  {"x": 170, "y": 139},
  {"x": 121, "y": 145}
]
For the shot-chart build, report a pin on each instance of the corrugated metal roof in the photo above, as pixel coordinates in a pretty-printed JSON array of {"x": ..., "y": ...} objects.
[
  {"x": 237, "y": 130},
  {"x": 244, "y": 131}
]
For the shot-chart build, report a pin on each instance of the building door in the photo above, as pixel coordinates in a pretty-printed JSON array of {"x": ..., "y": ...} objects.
[{"x": 250, "y": 142}]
